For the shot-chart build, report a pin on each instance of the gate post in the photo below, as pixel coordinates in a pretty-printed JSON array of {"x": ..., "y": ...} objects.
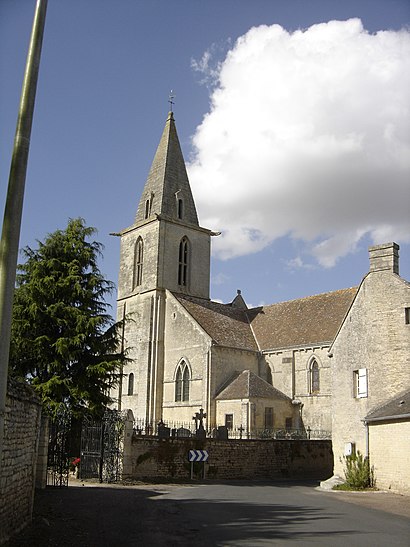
[
  {"x": 42, "y": 453},
  {"x": 127, "y": 445}
]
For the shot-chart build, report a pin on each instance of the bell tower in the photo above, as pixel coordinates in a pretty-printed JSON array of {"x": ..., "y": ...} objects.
[{"x": 165, "y": 249}]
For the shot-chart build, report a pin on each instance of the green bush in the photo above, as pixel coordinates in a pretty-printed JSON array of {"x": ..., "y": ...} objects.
[{"x": 358, "y": 473}]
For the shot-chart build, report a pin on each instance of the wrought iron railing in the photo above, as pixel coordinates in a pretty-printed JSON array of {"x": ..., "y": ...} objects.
[{"x": 177, "y": 429}]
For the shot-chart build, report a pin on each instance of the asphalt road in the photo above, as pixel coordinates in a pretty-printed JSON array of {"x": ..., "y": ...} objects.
[{"x": 215, "y": 514}]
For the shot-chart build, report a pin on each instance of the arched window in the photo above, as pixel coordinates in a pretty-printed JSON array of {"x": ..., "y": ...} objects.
[
  {"x": 269, "y": 378},
  {"x": 138, "y": 262},
  {"x": 182, "y": 381},
  {"x": 131, "y": 384},
  {"x": 314, "y": 379},
  {"x": 183, "y": 262}
]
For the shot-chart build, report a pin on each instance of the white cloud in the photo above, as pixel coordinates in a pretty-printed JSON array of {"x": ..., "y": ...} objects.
[
  {"x": 308, "y": 136},
  {"x": 220, "y": 279}
]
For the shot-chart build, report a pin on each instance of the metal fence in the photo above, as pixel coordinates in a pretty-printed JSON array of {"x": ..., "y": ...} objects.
[{"x": 177, "y": 429}]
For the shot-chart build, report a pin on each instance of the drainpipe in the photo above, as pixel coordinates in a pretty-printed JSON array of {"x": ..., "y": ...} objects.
[
  {"x": 122, "y": 364},
  {"x": 366, "y": 425}
]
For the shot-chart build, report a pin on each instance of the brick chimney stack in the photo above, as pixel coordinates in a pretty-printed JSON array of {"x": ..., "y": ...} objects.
[{"x": 384, "y": 258}]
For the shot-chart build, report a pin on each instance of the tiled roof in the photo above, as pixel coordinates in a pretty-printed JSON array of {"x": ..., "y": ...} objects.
[
  {"x": 248, "y": 385},
  {"x": 306, "y": 321},
  {"x": 225, "y": 324},
  {"x": 397, "y": 408}
]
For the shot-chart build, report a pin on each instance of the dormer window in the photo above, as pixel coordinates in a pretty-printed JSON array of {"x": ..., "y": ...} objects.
[{"x": 180, "y": 209}]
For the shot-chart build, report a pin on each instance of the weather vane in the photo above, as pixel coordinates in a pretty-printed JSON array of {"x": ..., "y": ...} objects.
[{"x": 171, "y": 99}]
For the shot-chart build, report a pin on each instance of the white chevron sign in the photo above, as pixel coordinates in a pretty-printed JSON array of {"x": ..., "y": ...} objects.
[{"x": 198, "y": 456}]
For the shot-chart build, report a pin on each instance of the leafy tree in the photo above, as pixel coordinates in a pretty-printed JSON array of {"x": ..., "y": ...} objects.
[{"x": 63, "y": 340}]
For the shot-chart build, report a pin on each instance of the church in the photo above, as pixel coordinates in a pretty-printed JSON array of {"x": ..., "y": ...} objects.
[{"x": 266, "y": 368}]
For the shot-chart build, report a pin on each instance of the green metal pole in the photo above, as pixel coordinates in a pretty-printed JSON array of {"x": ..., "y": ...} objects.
[{"x": 14, "y": 203}]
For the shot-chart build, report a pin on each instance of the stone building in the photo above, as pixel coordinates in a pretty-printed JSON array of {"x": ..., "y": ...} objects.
[
  {"x": 276, "y": 366},
  {"x": 371, "y": 360}
]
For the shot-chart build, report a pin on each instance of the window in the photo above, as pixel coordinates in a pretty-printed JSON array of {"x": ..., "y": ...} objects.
[
  {"x": 182, "y": 381},
  {"x": 229, "y": 421},
  {"x": 147, "y": 208},
  {"x": 138, "y": 262},
  {"x": 314, "y": 379},
  {"x": 288, "y": 424},
  {"x": 269, "y": 375},
  {"x": 131, "y": 384},
  {"x": 407, "y": 316},
  {"x": 269, "y": 417},
  {"x": 183, "y": 262},
  {"x": 180, "y": 208},
  {"x": 360, "y": 383}
]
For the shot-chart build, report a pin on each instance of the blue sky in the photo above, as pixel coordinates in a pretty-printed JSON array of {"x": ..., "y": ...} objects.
[{"x": 106, "y": 72}]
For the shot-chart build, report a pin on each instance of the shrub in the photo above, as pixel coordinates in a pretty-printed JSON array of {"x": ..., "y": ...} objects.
[{"x": 358, "y": 473}]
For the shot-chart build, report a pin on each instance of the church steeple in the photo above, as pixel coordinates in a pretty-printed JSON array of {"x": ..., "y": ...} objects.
[
  {"x": 165, "y": 248},
  {"x": 167, "y": 192}
]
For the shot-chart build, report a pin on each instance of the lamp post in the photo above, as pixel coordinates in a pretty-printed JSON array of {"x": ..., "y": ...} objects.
[{"x": 14, "y": 202}]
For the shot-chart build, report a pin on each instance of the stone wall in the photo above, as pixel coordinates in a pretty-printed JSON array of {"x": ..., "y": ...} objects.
[
  {"x": 389, "y": 451},
  {"x": 19, "y": 458},
  {"x": 375, "y": 337},
  {"x": 167, "y": 459}
]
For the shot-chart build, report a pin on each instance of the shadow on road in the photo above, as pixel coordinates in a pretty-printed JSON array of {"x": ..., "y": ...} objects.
[{"x": 146, "y": 515}]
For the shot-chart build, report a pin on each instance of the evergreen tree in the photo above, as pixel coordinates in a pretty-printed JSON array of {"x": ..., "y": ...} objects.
[{"x": 63, "y": 340}]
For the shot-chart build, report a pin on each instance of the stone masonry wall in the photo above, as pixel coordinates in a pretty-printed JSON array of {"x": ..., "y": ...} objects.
[
  {"x": 18, "y": 466},
  {"x": 389, "y": 445},
  {"x": 374, "y": 336},
  {"x": 232, "y": 459}
]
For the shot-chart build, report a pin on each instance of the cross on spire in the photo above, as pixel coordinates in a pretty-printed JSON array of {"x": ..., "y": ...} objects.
[{"x": 171, "y": 98}]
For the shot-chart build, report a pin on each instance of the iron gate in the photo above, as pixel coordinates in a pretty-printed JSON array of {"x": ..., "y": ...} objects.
[
  {"x": 58, "y": 458},
  {"x": 101, "y": 447}
]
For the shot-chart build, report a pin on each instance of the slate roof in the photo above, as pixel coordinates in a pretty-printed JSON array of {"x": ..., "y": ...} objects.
[
  {"x": 225, "y": 324},
  {"x": 248, "y": 385},
  {"x": 167, "y": 179},
  {"x": 306, "y": 321},
  {"x": 397, "y": 408}
]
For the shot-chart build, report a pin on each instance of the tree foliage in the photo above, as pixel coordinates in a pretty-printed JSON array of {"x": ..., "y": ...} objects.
[{"x": 63, "y": 340}]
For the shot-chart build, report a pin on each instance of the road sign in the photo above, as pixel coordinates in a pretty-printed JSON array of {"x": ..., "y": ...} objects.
[{"x": 198, "y": 456}]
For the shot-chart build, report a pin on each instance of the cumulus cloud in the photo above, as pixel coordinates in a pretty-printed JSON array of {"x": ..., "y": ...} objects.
[{"x": 308, "y": 136}]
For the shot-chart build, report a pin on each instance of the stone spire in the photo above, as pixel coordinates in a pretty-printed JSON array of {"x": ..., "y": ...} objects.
[{"x": 167, "y": 192}]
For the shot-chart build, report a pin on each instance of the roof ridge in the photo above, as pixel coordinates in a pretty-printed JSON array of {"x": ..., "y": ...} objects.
[{"x": 309, "y": 297}]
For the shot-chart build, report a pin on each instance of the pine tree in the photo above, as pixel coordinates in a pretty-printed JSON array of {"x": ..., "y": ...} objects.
[{"x": 63, "y": 340}]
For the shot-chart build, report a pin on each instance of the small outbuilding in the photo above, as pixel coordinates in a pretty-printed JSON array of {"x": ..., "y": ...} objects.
[
  {"x": 389, "y": 444},
  {"x": 252, "y": 404}
]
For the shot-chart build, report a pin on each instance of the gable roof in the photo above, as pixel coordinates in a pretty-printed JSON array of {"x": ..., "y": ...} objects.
[
  {"x": 297, "y": 323},
  {"x": 248, "y": 385},
  {"x": 306, "y": 321},
  {"x": 225, "y": 324},
  {"x": 395, "y": 409}
]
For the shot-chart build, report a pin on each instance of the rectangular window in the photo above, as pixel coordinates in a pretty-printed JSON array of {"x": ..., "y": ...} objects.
[
  {"x": 269, "y": 417},
  {"x": 288, "y": 424},
  {"x": 229, "y": 421},
  {"x": 360, "y": 383},
  {"x": 407, "y": 316}
]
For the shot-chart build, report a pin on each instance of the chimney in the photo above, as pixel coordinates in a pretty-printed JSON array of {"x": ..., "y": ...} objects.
[{"x": 384, "y": 258}]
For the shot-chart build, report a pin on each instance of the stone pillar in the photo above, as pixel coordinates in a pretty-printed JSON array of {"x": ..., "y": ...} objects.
[
  {"x": 42, "y": 453},
  {"x": 127, "y": 446}
]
